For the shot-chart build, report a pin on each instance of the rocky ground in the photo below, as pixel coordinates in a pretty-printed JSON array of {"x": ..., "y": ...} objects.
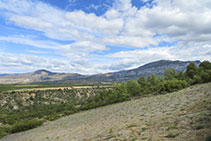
[{"x": 180, "y": 116}]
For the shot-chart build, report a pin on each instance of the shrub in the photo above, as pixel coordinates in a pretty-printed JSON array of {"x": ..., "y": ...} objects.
[
  {"x": 133, "y": 88},
  {"x": 191, "y": 70},
  {"x": 206, "y": 65},
  {"x": 170, "y": 74},
  {"x": 172, "y": 135},
  {"x": 208, "y": 138},
  {"x": 206, "y": 76},
  {"x": 53, "y": 116},
  {"x": 26, "y": 125},
  {"x": 120, "y": 90},
  {"x": 2, "y": 133},
  {"x": 66, "y": 112},
  {"x": 153, "y": 84},
  {"x": 172, "y": 85},
  {"x": 4, "y": 130}
]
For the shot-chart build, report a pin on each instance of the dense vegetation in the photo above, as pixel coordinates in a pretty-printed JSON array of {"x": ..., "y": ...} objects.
[{"x": 31, "y": 117}]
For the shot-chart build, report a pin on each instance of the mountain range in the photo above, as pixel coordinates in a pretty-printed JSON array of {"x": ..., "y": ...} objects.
[{"x": 45, "y": 76}]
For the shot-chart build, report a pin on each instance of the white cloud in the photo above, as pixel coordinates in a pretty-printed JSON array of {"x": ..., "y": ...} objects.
[
  {"x": 184, "y": 22},
  {"x": 31, "y": 42},
  {"x": 80, "y": 50}
]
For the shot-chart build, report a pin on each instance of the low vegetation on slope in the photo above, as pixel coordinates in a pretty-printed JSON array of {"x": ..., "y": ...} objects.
[{"x": 34, "y": 116}]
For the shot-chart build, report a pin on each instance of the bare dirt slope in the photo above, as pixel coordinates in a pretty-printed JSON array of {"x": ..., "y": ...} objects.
[{"x": 180, "y": 116}]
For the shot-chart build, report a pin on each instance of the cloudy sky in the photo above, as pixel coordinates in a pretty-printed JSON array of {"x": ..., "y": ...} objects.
[{"x": 97, "y": 36}]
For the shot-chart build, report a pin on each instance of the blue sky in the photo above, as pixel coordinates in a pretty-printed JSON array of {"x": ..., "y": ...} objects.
[{"x": 98, "y": 36}]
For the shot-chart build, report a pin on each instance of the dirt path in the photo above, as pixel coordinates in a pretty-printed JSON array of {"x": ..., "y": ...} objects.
[{"x": 178, "y": 116}]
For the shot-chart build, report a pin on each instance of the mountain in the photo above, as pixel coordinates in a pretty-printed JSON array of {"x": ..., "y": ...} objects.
[
  {"x": 3, "y": 74},
  {"x": 39, "y": 76},
  {"x": 45, "y": 76},
  {"x": 146, "y": 70},
  {"x": 43, "y": 71}
]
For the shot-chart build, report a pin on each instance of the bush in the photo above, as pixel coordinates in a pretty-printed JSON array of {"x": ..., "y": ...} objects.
[
  {"x": 2, "y": 133},
  {"x": 153, "y": 84},
  {"x": 172, "y": 85},
  {"x": 133, "y": 88},
  {"x": 208, "y": 138},
  {"x": 206, "y": 65},
  {"x": 53, "y": 116},
  {"x": 191, "y": 70},
  {"x": 120, "y": 90},
  {"x": 26, "y": 125},
  {"x": 4, "y": 130},
  {"x": 206, "y": 76},
  {"x": 196, "y": 79},
  {"x": 170, "y": 74}
]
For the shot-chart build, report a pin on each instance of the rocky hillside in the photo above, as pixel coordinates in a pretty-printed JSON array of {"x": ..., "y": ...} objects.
[
  {"x": 180, "y": 116},
  {"x": 44, "y": 76},
  {"x": 19, "y": 99}
]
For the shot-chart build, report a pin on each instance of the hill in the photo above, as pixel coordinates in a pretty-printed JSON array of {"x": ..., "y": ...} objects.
[
  {"x": 180, "y": 116},
  {"x": 45, "y": 76},
  {"x": 39, "y": 76}
]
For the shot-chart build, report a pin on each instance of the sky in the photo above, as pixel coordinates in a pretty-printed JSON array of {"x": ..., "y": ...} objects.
[{"x": 99, "y": 36}]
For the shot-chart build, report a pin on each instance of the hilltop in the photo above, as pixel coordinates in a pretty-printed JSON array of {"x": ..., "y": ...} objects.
[{"x": 183, "y": 115}]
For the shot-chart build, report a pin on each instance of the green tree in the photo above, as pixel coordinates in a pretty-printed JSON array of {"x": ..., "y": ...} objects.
[
  {"x": 142, "y": 81},
  {"x": 181, "y": 76},
  {"x": 205, "y": 65},
  {"x": 191, "y": 70},
  {"x": 153, "y": 83},
  {"x": 172, "y": 85},
  {"x": 206, "y": 76},
  {"x": 197, "y": 79},
  {"x": 133, "y": 88},
  {"x": 121, "y": 91},
  {"x": 170, "y": 74}
]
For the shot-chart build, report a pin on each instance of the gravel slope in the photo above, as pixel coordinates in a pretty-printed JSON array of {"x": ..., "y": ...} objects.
[{"x": 180, "y": 116}]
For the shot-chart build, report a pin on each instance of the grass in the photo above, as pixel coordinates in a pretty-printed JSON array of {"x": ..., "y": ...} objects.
[
  {"x": 171, "y": 127},
  {"x": 132, "y": 125},
  {"x": 110, "y": 130},
  {"x": 134, "y": 139},
  {"x": 144, "y": 129},
  {"x": 172, "y": 135},
  {"x": 144, "y": 138}
]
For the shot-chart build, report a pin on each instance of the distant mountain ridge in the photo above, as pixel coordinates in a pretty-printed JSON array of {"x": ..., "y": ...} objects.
[
  {"x": 45, "y": 76},
  {"x": 43, "y": 71},
  {"x": 157, "y": 67}
]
